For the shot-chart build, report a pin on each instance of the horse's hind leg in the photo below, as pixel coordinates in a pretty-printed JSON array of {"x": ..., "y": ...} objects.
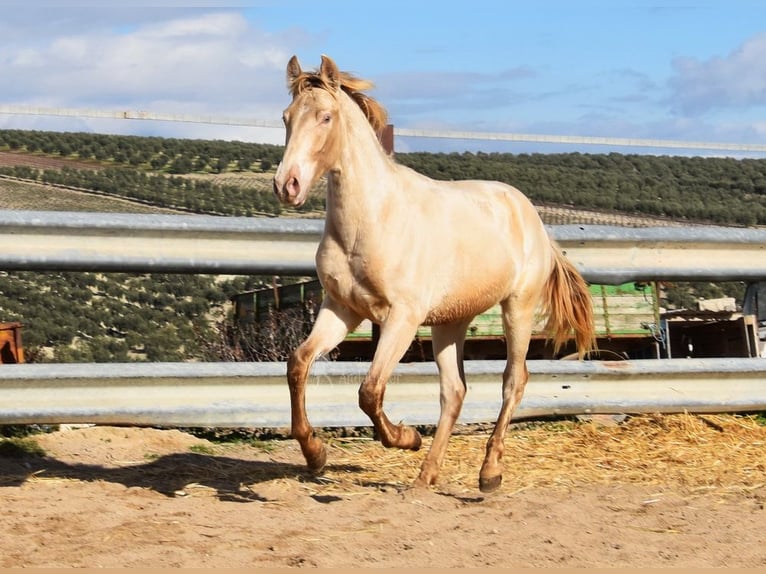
[
  {"x": 518, "y": 317},
  {"x": 332, "y": 324},
  {"x": 396, "y": 334},
  {"x": 447, "y": 343}
]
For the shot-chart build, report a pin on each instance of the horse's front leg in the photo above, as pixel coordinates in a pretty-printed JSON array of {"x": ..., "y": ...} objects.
[
  {"x": 332, "y": 325},
  {"x": 395, "y": 337}
]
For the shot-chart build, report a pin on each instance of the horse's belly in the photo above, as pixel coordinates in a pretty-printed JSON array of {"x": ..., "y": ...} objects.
[
  {"x": 452, "y": 314},
  {"x": 456, "y": 309}
]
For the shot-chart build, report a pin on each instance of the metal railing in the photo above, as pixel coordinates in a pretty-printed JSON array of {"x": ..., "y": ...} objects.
[
  {"x": 144, "y": 115},
  {"x": 76, "y": 241},
  {"x": 255, "y": 394}
]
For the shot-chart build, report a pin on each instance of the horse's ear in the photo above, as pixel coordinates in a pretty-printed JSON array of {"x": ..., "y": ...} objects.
[
  {"x": 329, "y": 72},
  {"x": 293, "y": 70}
]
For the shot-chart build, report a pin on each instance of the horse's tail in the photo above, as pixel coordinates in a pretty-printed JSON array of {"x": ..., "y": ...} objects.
[{"x": 569, "y": 306}]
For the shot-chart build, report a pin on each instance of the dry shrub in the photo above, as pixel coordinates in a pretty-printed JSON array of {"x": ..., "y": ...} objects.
[{"x": 272, "y": 339}]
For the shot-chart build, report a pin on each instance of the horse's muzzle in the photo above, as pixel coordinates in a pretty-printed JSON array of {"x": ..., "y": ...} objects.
[{"x": 289, "y": 190}]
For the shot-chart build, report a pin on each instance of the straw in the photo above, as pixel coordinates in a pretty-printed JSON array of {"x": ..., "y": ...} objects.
[{"x": 725, "y": 452}]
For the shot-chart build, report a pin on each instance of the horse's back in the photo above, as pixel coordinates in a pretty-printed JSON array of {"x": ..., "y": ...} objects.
[
  {"x": 486, "y": 218},
  {"x": 491, "y": 245},
  {"x": 474, "y": 200}
]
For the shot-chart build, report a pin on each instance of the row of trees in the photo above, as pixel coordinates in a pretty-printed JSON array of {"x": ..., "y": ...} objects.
[
  {"x": 171, "y": 154},
  {"x": 717, "y": 190},
  {"x": 114, "y": 317},
  {"x": 197, "y": 195}
]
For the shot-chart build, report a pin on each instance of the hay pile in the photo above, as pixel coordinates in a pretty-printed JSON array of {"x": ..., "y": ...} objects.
[{"x": 694, "y": 452}]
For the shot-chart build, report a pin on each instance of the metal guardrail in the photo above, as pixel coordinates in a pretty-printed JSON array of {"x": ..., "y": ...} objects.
[
  {"x": 61, "y": 241},
  {"x": 399, "y": 132},
  {"x": 84, "y": 241},
  {"x": 256, "y": 394},
  {"x": 614, "y": 255}
]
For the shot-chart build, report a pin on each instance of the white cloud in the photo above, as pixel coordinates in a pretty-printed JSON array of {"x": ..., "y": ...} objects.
[
  {"x": 210, "y": 62},
  {"x": 734, "y": 81},
  {"x": 220, "y": 25},
  {"x": 216, "y": 60}
]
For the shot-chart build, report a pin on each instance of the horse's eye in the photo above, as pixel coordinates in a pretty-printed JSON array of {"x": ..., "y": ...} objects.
[{"x": 326, "y": 118}]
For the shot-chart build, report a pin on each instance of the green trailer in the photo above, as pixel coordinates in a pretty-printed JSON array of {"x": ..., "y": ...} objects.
[{"x": 626, "y": 316}]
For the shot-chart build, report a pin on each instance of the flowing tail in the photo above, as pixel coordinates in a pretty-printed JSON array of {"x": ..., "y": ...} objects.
[{"x": 569, "y": 306}]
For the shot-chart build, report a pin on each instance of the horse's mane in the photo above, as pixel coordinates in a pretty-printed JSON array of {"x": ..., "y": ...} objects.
[{"x": 353, "y": 86}]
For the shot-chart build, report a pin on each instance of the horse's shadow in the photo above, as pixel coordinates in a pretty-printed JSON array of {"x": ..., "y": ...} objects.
[{"x": 232, "y": 479}]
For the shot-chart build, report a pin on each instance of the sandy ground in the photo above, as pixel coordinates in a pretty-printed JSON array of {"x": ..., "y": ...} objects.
[{"x": 137, "y": 497}]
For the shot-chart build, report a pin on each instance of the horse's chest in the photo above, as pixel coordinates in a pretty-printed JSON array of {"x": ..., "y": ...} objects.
[{"x": 353, "y": 281}]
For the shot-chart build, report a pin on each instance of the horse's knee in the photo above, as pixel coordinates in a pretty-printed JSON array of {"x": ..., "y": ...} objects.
[
  {"x": 297, "y": 364},
  {"x": 369, "y": 400}
]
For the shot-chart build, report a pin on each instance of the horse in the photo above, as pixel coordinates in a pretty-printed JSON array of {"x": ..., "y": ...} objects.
[{"x": 404, "y": 250}]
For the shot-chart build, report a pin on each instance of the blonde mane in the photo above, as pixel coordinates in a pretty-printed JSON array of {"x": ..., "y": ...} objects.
[{"x": 353, "y": 86}]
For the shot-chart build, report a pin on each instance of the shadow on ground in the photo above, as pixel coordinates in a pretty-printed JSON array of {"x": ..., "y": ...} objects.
[{"x": 168, "y": 474}]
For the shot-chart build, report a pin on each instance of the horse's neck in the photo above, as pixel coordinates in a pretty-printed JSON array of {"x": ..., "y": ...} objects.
[{"x": 360, "y": 186}]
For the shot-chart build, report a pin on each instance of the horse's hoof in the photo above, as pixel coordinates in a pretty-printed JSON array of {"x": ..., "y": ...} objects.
[
  {"x": 418, "y": 484},
  {"x": 490, "y": 484},
  {"x": 403, "y": 437},
  {"x": 417, "y": 441},
  {"x": 429, "y": 473},
  {"x": 424, "y": 481},
  {"x": 317, "y": 462},
  {"x": 410, "y": 438}
]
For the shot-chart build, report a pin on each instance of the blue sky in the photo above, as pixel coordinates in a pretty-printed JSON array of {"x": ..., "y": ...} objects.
[{"x": 659, "y": 69}]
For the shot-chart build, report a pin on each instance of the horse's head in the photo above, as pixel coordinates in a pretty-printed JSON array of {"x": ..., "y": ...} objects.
[{"x": 314, "y": 125}]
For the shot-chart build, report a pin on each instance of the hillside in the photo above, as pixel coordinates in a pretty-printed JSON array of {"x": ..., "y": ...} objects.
[
  {"x": 32, "y": 193},
  {"x": 232, "y": 178},
  {"x": 20, "y": 194}
]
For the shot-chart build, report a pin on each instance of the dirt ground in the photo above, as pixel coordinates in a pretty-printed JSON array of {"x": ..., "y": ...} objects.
[{"x": 664, "y": 492}]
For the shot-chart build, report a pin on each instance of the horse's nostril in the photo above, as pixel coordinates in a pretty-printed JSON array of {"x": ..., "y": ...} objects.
[{"x": 293, "y": 187}]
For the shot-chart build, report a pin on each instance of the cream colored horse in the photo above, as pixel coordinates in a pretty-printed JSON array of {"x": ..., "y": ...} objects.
[{"x": 404, "y": 250}]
